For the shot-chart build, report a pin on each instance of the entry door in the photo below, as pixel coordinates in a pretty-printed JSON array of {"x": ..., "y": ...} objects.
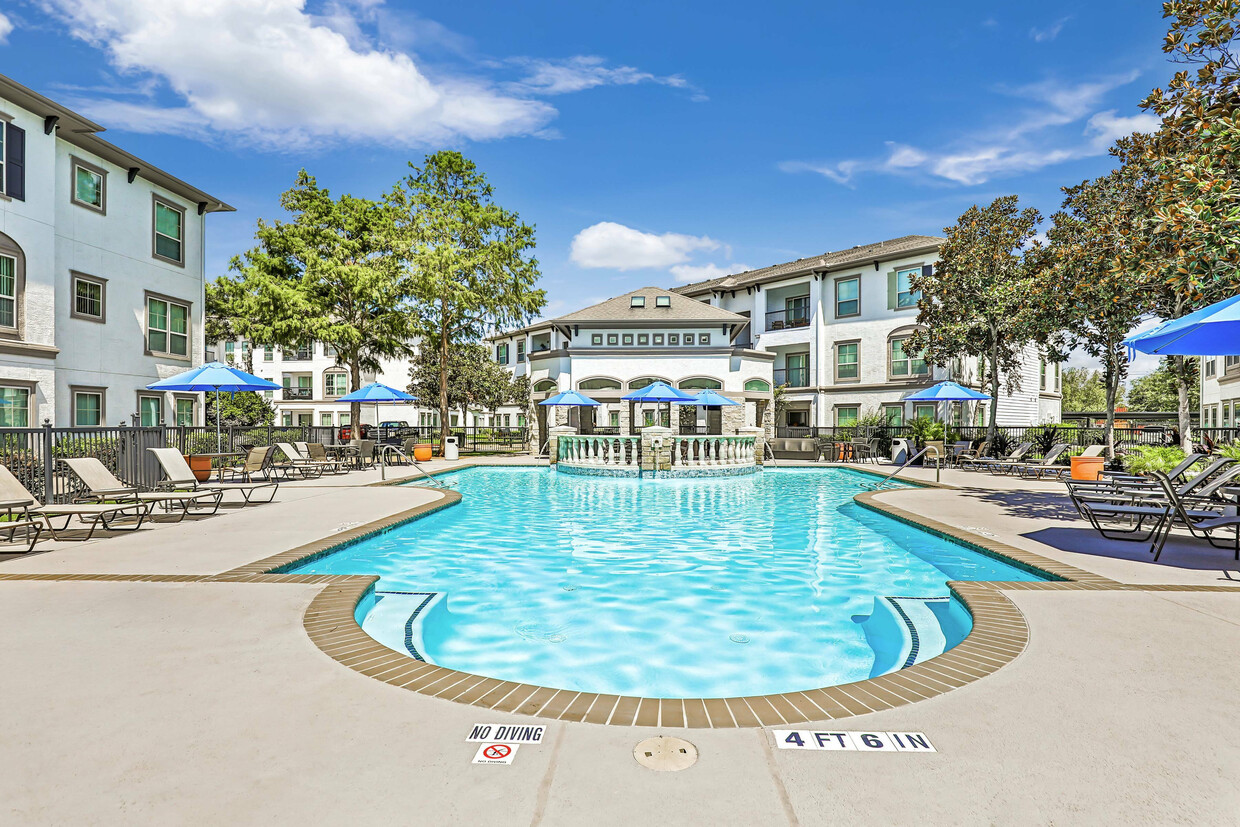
[
  {"x": 587, "y": 420},
  {"x": 714, "y": 420},
  {"x": 542, "y": 427}
]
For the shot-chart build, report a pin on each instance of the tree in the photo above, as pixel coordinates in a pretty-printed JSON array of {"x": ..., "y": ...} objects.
[
  {"x": 475, "y": 381},
  {"x": 331, "y": 274},
  {"x": 983, "y": 297},
  {"x": 1159, "y": 391},
  {"x": 1086, "y": 273},
  {"x": 243, "y": 409},
  {"x": 1085, "y": 390},
  {"x": 469, "y": 259}
]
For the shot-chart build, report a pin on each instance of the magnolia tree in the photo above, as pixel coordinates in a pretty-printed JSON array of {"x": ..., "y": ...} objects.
[{"x": 983, "y": 296}]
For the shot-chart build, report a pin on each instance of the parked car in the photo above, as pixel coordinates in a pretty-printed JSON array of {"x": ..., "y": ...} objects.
[{"x": 346, "y": 432}]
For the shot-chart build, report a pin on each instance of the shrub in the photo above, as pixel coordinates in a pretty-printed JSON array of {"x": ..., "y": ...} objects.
[{"x": 1146, "y": 459}]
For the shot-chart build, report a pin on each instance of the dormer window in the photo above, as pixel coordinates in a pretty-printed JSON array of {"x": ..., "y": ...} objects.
[
  {"x": 662, "y": 301},
  {"x": 637, "y": 301}
]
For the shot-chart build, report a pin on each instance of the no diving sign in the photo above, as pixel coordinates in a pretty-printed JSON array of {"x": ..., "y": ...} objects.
[
  {"x": 496, "y": 753},
  {"x": 508, "y": 733},
  {"x": 853, "y": 741}
]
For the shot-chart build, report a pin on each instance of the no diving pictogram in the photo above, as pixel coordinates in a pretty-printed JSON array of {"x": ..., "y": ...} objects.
[
  {"x": 497, "y": 751},
  {"x": 492, "y": 753}
]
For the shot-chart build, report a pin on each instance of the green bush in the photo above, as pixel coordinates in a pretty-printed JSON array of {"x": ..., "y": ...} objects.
[{"x": 1146, "y": 459}]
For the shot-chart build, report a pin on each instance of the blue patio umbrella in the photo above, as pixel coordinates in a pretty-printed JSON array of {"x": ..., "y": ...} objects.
[
  {"x": 709, "y": 398},
  {"x": 658, "y": 392},
  {"x": 947, "y": 392},
  {"x": 1210, "y": 331},
  {"x": 569, "y": 399},
  {"x": 214, "y": 376},
  {"x": 378, "y": 392}
]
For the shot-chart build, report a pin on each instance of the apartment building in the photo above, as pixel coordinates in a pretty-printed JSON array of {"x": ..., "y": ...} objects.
[
  {"x": 837, "y": 325},
  {"x": 1220, "y": 391},
  {"x": 101, "y": 273}
]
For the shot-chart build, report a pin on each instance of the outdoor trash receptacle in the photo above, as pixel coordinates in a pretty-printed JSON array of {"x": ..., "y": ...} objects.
[
  {"x": 451, "y": 451},
  {"x": 901, "y": 450},
  {"x": 1087, "y": 468}
]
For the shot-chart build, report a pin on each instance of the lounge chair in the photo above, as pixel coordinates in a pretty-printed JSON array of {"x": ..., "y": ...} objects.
[
  {"x": 296, "y": 462},
  {"x": 999, "y": 466},
  {"x": 1043, "y": 468},
  {"x": 956, "y": 450},
  {"x": 317, "y": 452},
  {"x": 180, "y": 477},
  {"x": 101, "y": 484},
  {"x": 32, "y": 527},
  {"x": 14, "y": 494},
  {"x": 1201, "y": 522},
  {"x": 258, "y": 466},
  {"x": 984, "y": 461}
]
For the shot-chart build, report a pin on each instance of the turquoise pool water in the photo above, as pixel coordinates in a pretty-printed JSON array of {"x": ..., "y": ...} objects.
[{"x": 773, "y": 582}]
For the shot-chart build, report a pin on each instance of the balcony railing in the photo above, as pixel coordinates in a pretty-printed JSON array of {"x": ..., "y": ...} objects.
[
  {"x": 784, "y": 319},
  {"x": 298, "y": 393},
  {"x": 792, "y": 377}
]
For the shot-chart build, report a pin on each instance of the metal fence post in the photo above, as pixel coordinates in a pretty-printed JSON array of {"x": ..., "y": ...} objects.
[{"x": 48, "y": 475}]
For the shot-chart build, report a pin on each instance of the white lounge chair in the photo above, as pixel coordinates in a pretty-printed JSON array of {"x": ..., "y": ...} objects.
[
  {"x": 101, "y": 484},
  {"x": 14, "y": 494},
  {"x": 179, "y": 477}
]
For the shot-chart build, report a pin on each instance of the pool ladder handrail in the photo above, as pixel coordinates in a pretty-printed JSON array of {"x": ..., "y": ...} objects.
[
  {"x": 392, "y": 449},
  {"x": 881, "y": 484}
]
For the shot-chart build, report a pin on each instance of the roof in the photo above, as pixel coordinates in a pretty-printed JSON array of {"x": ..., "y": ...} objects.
[
  {"x": 81, "y": 132},
  {"x": 861, "y": 254},
  {"x": 682, "y": 309}
]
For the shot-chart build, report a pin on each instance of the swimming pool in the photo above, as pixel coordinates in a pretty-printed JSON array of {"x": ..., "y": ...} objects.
[{"x": 664, "y": 588}]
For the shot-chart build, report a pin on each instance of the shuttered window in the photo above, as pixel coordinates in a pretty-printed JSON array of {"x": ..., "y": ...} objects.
[{"x": 12, "y": 161}]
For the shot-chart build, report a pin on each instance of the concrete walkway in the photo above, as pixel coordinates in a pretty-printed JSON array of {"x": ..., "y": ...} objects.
[{"x": 206, "y": 702}]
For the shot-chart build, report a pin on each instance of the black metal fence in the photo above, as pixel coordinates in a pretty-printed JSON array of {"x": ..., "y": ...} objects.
[{"x": 472, "y": 439}]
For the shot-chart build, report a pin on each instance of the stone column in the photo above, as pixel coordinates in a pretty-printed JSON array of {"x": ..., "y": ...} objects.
[
  {"x": 759, "y": 442},
  {"x": 733, "y": 419},
  {"x": 553, "y": 440},
  {"x": 656, "y": 457}
]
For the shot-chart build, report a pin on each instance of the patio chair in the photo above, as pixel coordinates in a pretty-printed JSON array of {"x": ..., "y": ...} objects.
[
  {"x": 303, "y": 465},
  {"x": 365, "y": 451},
  {"x": 179, "y": 476},
  {"x": 861, "y": 451},
  {"x": 101, "y": 485},
  {"x": 1043, "y": 468},
  {"x": 15, "y": 495},
  {"x": 1201, "y": 522},
  {"x": 957, "y": 450},
  {"x": 983, "y": 460},
  {"x": 317, "y": 452},
  {"x": 258, "y": 466},
  {"x": 972, "y": 454},
  {"x": 994, "y": 464}
]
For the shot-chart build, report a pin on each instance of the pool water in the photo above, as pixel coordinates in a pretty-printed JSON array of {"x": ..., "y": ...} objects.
[{"x": 773, "y": 582}]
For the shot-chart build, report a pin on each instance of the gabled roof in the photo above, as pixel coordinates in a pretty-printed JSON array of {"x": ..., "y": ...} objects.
[
  {"x": 682, "y": 309},
  {"x": 861, "y": 254}
]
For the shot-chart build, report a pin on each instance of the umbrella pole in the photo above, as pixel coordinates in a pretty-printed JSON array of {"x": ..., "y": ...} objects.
[
  {"x": 218, "y": 445},
  {"x": 378, "y": 433}
]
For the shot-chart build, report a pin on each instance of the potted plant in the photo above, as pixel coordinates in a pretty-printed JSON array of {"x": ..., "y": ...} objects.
[{"x": 921, "y": 431}]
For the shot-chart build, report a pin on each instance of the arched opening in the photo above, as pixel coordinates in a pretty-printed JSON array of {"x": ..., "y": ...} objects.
[
  {"x": 638, "y": 384},
  {"x": 700, "y": 383},
  {"x": 544, "y": 385},
  {"x": 599, "y": 383},
  {"x": 758, "y": 386}
]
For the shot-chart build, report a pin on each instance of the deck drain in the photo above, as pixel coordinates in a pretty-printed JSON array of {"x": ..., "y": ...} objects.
[
  {"x": 739, "y": 638},
  {"x": 665, "y": 754}
]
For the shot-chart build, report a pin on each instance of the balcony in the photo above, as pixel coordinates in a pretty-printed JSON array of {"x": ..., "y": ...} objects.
[
  {"x": 792, "y": 377},
  {"x": 787, "y": 319},
  {"x": 295, "y": 394}
]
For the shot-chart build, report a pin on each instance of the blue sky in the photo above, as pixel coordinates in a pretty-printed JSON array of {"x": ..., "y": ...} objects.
[{"x": 651, "y": 143}]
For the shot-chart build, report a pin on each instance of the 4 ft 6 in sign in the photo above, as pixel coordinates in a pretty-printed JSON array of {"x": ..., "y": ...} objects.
[{"x": 853, "y": 741}]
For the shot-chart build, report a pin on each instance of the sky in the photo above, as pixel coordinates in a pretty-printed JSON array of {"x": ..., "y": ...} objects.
[{"x": 649, "y": 143}]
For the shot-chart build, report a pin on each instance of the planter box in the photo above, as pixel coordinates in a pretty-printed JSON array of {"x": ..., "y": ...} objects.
[
  {"x": 201, "y": 466},
  {"x": 422, "y": 452},
  {"x": 1087, "y": 468}
]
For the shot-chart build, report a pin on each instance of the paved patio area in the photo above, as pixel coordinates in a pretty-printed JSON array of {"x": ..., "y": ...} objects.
[{"x": 205, "y": 701}]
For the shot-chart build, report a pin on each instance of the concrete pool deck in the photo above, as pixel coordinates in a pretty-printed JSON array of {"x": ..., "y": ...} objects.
[{"x": 205, "y": 701}]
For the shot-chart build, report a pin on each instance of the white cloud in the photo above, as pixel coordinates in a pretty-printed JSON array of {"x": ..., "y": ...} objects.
[
  {"x": 1042, "y": 35},
  {"x": 618, "y": 247},
  {"x": 574, "y": 74},
  {"x": 1037, "y": 137},
  {"x": 702, "y": 272},
  {"x": 6, "y": 26}
]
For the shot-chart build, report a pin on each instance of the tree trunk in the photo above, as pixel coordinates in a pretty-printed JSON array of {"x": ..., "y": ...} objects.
[
  {"x": 1112, "y": 390},
  {"x": 444, "y": 430},
  {"x": 355, "y": 407},
  {"x": 1181, "y": 388},
  {"x": 991, "y": 428}
]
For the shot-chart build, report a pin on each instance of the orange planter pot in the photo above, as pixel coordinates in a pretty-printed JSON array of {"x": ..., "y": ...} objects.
[
  {"x": 201, "y": 466},
  {"x": 1087, "y": 468},
  {"x": 422, "y": 453}
]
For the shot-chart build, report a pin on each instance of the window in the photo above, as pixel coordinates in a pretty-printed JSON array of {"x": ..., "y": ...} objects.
[
  {"x": 673, "y": 339},
  {"x": 638, "y": 384},
  {"x": 169, "y": 229},
  {"x": 598, "y": 384},
  {"x": 905, "y": 364},
  {"x": 923, "y": 411},
  {"x": 900, "y": 292},
  {"x": 643, "y": 338},
  {"x": 269, "y": 353},
  {"x": 797, "y": 419},
  {"x": 544, "y": 386},
  {"x": 1207, "y": 369},
  {"x": 846, "y": 416},
  {"x": 848, "y": 297},
  {"x": 150, "y": 411},
  {"x": 688, "y": 337},
  {"x": 88, "y": 407},
  {"x": 1042, "y": 377},
  {"x": 596, "y": 339},
  {"x": 89, "y": 186},
  {"x": 1230, "y": 362},
  {"x": 894, "y": 415},
  {"x": 657, "y": 338},
  {"x": 847, "y": 361},
  {"x": 8, "y": 292},
  {"x": 501, "y": 353},
  {"x": 167, "y": 327},
  {"x": 521, "y": 350},
  {"x": 662, "y": 301},
  {"x": 796, "y": 311},
  {"x": 286, "y": 419},
  {"x": 269, "y": 395},
  {"x": 700, "y": 384},
  {"x": 757, "y": 386},
  {"x": 703, "y": 338},
  {"x": 12, "y": 160},
  {"x": 613, "y": 419},
  {"x": 345, "y": 420},
  {"x": 14, "y": 406},
  {"x": 628, "y": 338},
  {"x": 637, "y": 301},
  {"x": 325, "y": 419},
  {"x": 185, "y": 411},
  {"x": 613, "y": 339},
  {"x": 337, "y": 384},
  {"x": 329, "y": 352}
]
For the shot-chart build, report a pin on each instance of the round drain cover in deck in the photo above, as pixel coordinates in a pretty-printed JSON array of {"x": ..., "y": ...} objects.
[{"x": 665, "y": 754}]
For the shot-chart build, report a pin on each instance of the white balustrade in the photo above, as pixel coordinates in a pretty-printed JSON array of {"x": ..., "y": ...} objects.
[
  {"x": 600, "y": 451},
  {"x": 712, "y": 451}
]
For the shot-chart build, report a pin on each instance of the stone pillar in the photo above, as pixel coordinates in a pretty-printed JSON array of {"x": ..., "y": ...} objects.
[
  {"x": 553, "y": 440},
  {"x": 626, "y": 421},
  {"x": 733, "y": 419},
  {"x": 759, "y": 442},
  {"x": 656, "y": 457}
]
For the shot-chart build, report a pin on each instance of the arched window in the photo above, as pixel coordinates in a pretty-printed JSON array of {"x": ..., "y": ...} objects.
[
  {"x": 599, "y": 383},
  {"x": 12, "y": 284},
  {"x": 544, "y": 385},
  {"x": 758, "y": 386},
  {"x": 638, "y": 384},
  {"x": 700, "y": 383}
]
